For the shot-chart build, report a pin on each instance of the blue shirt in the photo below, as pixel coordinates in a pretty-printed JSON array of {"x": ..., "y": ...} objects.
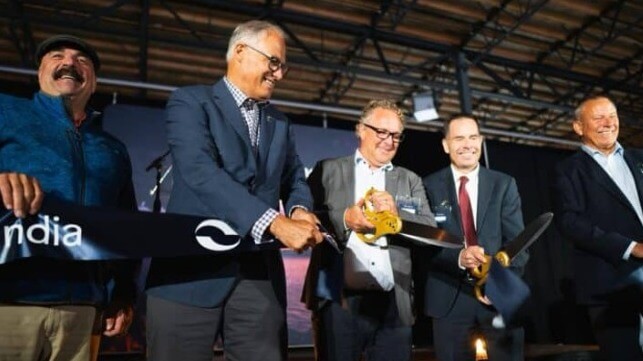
[{"x": 82, "y": 165}]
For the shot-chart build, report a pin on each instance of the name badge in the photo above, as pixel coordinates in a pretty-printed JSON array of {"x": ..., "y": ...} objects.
[
  {"x": 407, "y": 203},
  {"x": 441, "y": 211}
]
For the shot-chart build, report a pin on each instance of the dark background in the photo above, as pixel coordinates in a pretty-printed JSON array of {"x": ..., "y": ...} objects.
[{"x": 554, "y": 316}]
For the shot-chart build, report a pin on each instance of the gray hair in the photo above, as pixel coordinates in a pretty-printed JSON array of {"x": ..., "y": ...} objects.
[
  {"x": 249, "y": 32},
  {"x": 383, "y": 104},
  {"x": 578, "y": 112}
]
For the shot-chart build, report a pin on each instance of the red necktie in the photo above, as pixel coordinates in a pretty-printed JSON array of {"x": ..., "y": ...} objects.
[{"x": 466, "y": 214}]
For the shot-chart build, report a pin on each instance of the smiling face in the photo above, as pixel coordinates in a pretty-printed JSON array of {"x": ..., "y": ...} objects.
[
  {"x": 67, "y": 72},
  {"x": 249, "y": 69},
  {"x": 379, "y": 152},
  {"x": 597, "y": 124},
  {"x": 463, "y": 143}
]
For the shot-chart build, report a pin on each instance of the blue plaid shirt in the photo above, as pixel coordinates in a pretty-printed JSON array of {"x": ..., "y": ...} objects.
[{"x": 258, "y": 231}]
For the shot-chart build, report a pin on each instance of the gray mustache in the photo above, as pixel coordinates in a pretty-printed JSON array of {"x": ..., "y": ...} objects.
[{"x": 68, "y": 71}]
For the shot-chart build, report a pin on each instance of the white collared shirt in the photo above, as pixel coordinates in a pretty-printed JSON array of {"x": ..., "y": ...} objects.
[
  {"x": 471, "y": 187},
  {"x": 368, "y": 267}
]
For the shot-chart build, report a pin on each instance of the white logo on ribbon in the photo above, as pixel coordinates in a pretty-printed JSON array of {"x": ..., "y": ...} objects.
[
  {"x": 49, "y": 232},
  {"x": 208, "y": 243}
]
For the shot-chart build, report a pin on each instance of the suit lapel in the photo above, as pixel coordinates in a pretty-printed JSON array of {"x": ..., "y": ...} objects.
[
  {"x": 391, "y": 178},
  {"x": 449, "y": 185},
  {"x": 267, "y": 124},
  {"x": 230, "y": 113},
  {"x": 485, "y": 189},
  {"x": 595, "y": 171},
  {"x": 348, "y": 175},
  {"x": 636, "y": 167}
]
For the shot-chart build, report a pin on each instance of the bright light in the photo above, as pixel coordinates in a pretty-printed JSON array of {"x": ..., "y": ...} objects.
[
  {"x": 481, "y": 350},
  {"x": 426, "y": 115},
  {"x": 424, "y": 107}
]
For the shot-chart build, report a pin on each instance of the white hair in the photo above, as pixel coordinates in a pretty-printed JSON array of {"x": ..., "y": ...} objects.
[{"x": 249, "y": 32}]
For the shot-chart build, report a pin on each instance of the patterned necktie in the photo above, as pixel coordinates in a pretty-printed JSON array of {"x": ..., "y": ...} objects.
[
  {"x": 466, "y": 214},
  {"x": 252, "y": 110}
]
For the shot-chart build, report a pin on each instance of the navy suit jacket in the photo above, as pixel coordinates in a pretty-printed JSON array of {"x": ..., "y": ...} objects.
[
  {"x": 595, "y": 215},
  {"x": 499, "y": 220},
  {"x": 217, "y": 174},
  {"x": 333, "y": 186}
]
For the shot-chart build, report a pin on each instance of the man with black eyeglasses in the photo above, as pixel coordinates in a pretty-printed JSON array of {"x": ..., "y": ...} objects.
[
  {"x": 361, "y": 299},
  {"x": 234, "y": 159}
]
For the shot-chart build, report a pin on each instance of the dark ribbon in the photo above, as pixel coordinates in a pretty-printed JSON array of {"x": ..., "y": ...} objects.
[
  {"x": 507, "y": 292},
  {"x": 66, "y": 231}
]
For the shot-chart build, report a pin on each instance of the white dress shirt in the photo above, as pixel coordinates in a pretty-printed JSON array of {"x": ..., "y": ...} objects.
[
  {"x": 366, "y": 266},
  {"x": 471, "y": 187}
]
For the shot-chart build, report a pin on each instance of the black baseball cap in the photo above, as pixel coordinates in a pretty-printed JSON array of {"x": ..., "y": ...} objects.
[{"x": 64, "y": 40}]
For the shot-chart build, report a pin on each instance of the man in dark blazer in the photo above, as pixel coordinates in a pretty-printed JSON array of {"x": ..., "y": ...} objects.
[
  {"x": 234, "y": 159},
  {"x": 361, "y": 299},
  {"x": 494, "y": 205},
  {"x": 597, "y": 202}
]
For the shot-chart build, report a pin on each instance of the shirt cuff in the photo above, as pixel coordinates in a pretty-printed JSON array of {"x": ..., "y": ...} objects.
[
  {"x": 628, "y": 251},
  {"x": 258, "y": 231},
  {"x": 459, "y": 265},
  {"x": 292, "y": 209},
  {"x": 347, "y": 231}
]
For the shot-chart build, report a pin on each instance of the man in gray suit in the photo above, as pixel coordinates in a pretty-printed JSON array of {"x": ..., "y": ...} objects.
[
  {"x": 483, "y": 206},
  {"x": 361, "y": 299}
]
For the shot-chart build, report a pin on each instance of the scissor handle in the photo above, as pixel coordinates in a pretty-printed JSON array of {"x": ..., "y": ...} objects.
[
  {"x": 385, "y": 222},
  {"x": 481, "y": 272}
]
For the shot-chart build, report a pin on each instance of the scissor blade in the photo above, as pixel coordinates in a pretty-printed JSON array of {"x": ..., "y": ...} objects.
[
  {"x": 328, "y": 237},
  {"x": 428, "y": 235},
  {"x": 529, "y": 235}
]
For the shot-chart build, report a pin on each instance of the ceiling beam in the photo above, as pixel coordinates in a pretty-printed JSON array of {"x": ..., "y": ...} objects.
[
  {"x": 106, "y": 11},
  {"x": 502, "y": 31},
  {"x": 20, "y": 33},
  {"x": 414, "y": 42},
  {"x": 581, "y": 90},
  {"x": 382, "y": 35},
  {"x": 143, "y": 42},
  {"x": 574, "y": 38}
]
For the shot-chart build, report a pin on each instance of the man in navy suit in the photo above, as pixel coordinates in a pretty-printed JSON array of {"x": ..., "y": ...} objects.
[
  {"x": 494, "y": 216},
  {"x": 597, "y": 202},
  {"x": 234, "y": 159}
]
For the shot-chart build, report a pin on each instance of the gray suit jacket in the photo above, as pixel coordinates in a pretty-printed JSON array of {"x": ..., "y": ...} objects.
[
  {"x": 332, "y": 183},
  {"x": 499, "y": 219}
]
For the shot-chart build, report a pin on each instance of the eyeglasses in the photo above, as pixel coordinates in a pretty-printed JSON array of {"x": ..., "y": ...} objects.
[
  {"x": 274, "y": 63},
  {"x": 383, "y": 134}
]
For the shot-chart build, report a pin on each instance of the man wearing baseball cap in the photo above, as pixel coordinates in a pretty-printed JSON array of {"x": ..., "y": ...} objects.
[{"x": 52, "y": 145}]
